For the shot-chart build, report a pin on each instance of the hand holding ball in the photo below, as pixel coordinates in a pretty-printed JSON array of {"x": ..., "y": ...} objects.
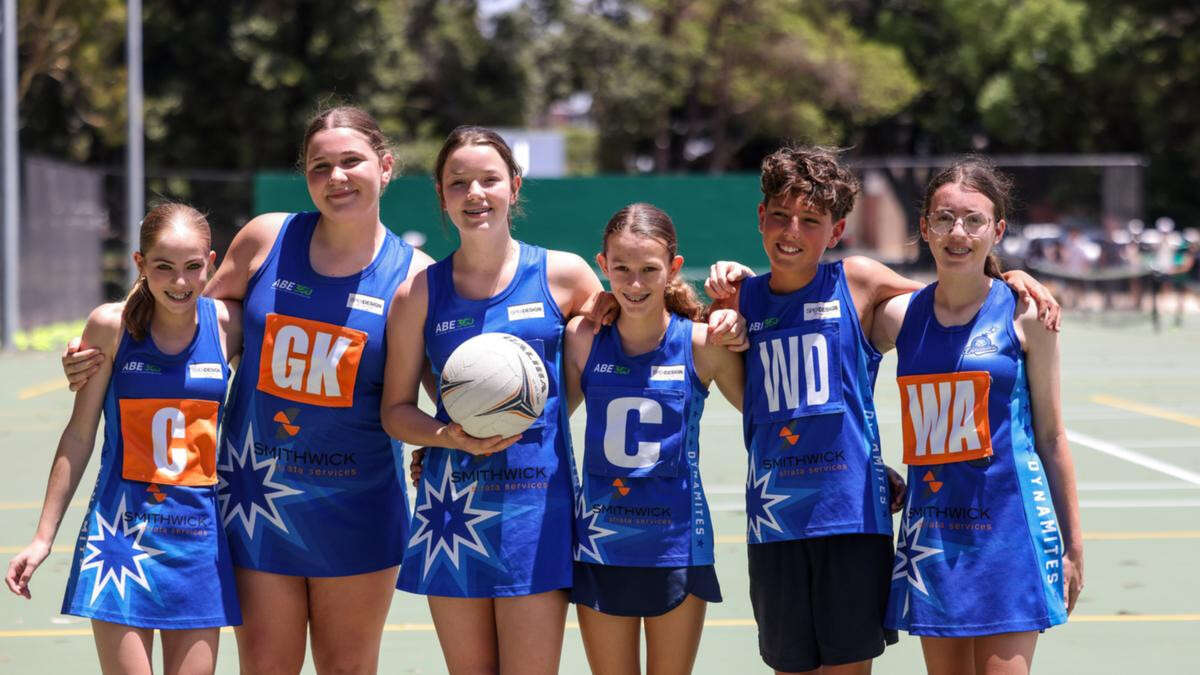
[{"x": 494, "y": 384}]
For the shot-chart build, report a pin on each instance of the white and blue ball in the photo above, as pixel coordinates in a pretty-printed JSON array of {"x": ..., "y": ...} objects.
[{"x": 494, "y": 384}]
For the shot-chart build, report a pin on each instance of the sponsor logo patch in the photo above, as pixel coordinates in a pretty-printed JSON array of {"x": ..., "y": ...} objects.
[
  {"x": 365, "y": 303},
  {"x": 532, "y": 310},
  {"x": 822, "y": 310}
]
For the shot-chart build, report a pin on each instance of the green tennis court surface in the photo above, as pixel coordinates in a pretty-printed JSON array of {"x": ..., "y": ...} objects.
[{"x": 1131, "y": 401}]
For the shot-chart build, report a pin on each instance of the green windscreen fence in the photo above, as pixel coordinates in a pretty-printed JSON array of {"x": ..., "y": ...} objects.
[{"x": 714, "y": 215}]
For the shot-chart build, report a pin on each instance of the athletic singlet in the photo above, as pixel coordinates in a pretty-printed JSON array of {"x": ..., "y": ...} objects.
[
  {"x": 809, "y": 422},
  {"x": 151, "y": 552},
  {"x": 643, "y": 503},
  {"x": 979, "y": 550},
  {"x": 500, "y": 525},
  {"x": 311, "y": 484}
]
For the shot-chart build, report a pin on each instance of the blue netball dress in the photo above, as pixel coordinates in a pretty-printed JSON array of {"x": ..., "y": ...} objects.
[
  {"x": 643, "y": 504},
  {"x": 151, "y": 552},
  {"x": 500, "y": 525},
  {"x": 643, "y": 534},
  {"x": 979, "y": 550},
  {"x": 310, "y": 483},
  {"x": 809, "y": 422}
]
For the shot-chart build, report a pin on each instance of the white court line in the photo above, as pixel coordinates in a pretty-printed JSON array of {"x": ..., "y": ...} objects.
[
  {"x": 1134, "y": 457},
  {"x": 739, "y": 507},
  {"x": 1127, "y": 486}
]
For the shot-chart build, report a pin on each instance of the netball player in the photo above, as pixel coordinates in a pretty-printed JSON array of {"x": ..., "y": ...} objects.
[
  {"x": 983, "y": 563},
  {"x": 644, "y": 537},
  {"x": 818, "y": 496},
  {"x": 151, "y": 553},
  {"x": 311, "y": 496},
  {"x": 492, "y": 537}
]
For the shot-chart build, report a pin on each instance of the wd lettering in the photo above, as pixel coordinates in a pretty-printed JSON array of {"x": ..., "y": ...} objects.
[
  {"x": 945, "y": 417},
  {"x": 169, "y": 441},
  {"x": 310, "y": 361},
  {"x": 780, "y": 361}
]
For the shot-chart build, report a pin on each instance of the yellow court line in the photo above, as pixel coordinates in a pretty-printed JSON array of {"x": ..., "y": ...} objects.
[
  {"x": 710, "y": 623},
  {"x": 43, "y": 388},
  {"x": 19, "y": 506},
  {"x": 1131, "y": 618},
  {"x": 1088, "y": 536},
  {"x": 1152, "y": 411}
]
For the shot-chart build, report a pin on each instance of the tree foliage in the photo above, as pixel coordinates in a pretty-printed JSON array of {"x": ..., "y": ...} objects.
[{"x": 698, "y": 85}]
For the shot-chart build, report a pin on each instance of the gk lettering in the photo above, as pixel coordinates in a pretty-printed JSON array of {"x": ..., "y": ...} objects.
[{"x": 310, "y": 361}]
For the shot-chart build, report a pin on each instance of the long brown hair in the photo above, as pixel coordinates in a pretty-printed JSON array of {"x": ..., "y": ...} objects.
[
  {"x": 978, "y": 175},
  {"x": 475, "y": 135},
  {"x": 647, "y": 220},
  {"x": 139, "y": 304}
]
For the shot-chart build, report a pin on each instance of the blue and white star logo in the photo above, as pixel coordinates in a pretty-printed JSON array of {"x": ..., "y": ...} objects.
[
  {"x": 908, "y": 554},
  {"x": 447, "y": 520},
  {"x": 117, "y": 557},
  {"x": 759, "y": 503},
  {"x": 589, "y": 533},
  {"x": 256, "y": 490}
]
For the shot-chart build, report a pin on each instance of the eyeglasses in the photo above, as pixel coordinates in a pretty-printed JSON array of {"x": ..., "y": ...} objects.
[{"x": 943, "y": 221}]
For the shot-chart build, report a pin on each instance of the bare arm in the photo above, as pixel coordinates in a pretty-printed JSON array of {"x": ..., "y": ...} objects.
[
  {"x": 74, "y": 449},
  {"x": 401, "y": 416},
  {"x": 871, "y": 284},
  {"x": 246, "y": 254},
  {"x": 577, "y": 344},
  {"x": 1042, "y": 357},
  {"x": 572, "y": 282},
  {"x": 889, "y": 315},
  {"x": 716, "y": 363},
  {"x": 229, "y": 321}
]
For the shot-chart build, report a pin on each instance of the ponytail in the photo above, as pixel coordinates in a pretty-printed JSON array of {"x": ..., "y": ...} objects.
[
  {"x": 991, "y": 266},
  {"x": 682, "y": 299},
  {"x": 139, "y": 309}
]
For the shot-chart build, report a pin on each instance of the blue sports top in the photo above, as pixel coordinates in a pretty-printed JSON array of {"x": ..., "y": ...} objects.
[
  {"x": 809, "y": 420},
  {"x": 979, "y": 550},
  {"x": 499, "y": 525},
  {"x": 151, "y": 552},
  {"x": 311, "y": 485},
  {"x": 643, "y": 503}
]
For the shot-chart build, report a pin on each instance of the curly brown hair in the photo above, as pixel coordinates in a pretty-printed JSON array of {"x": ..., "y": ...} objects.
[{"x": 812, "y": 174}]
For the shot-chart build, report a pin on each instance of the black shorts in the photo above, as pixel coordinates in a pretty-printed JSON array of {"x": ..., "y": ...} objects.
[
  {"x": 821, "y": 601},
  {"x": 641, "y": 591}
]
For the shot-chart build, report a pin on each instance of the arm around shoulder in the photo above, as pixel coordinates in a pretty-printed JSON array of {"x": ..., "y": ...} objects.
[
  {"x": 572, "y": 281},
  {"x": 715, "y": 363},
  {"x": 246, "y": 254},
  {"x": 229, "y": 317}
]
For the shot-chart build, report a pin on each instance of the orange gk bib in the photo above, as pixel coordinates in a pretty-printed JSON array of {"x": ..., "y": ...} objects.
[
  {"x": 169, "y": 441},
  {"x": 310, "y": 361},
  {"x": 945, "y": 417}
]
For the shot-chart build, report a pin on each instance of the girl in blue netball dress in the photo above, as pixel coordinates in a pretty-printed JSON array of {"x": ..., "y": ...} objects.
[
  {"x": 491, "y": 538},
  {"x": 990, "y": 550},
  {"x": 151, "y": 553},
  {"x": 310, "y": 490},
  {"x": 644, "y": 537}
]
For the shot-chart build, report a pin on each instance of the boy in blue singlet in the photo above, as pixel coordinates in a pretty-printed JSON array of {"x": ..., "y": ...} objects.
[{"x": 818, "y": 496}]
